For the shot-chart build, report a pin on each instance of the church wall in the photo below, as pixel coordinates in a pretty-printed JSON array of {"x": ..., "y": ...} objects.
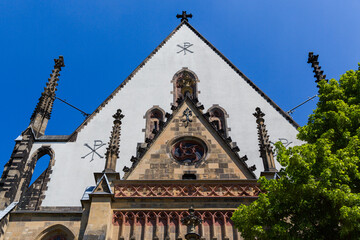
[
  {"x": 28, "y": 226},
  {"x": 219, "y": 84}
]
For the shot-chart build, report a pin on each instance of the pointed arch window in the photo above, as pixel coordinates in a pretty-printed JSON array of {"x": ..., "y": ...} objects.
[
  {"x": 185, "y": 84},
  {"x": 217, "y": 116},
  {"x": 154, "y": 119},
  {"x": 56, "y": 232}
]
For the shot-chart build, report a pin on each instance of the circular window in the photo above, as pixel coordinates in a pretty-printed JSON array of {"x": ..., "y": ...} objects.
[{"x": 188, "y": 151}]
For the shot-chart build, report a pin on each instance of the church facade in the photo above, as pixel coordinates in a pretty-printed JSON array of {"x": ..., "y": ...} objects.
[{"x": 170, "y": 165}]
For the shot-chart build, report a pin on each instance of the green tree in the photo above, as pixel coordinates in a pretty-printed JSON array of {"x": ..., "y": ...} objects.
[{"x": 317, "y": 195}]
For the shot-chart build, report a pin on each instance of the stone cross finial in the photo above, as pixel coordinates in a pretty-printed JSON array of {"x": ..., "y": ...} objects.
[
  {"x": 112, "y": 151},
  {"x": 266, "y": 152},
  {"x": 43, "y": 109},
  {"x": 191, "y": 221},
  {"x": 319, "y": 74},
  {"x": 184, "y": 16}
]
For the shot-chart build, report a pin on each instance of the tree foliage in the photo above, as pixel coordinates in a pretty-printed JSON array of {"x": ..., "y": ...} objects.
[{"x": 318, "y": 193}]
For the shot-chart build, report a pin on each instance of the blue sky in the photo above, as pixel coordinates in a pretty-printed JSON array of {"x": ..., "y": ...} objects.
[{"x": 103, "y": 41}]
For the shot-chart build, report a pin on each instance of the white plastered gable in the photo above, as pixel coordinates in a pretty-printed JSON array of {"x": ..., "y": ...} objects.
[{"x": 219, "y": 83}]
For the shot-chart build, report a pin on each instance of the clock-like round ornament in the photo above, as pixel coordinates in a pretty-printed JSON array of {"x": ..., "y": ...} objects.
[{"x": 188, "y": 151}]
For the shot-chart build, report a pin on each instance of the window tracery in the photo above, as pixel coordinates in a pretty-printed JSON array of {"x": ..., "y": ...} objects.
[
  {"x": 154, "y": 119},
  {"x": 218, "y": 118},
  {"x": 188, "y": 150},
  {"x": 185, "y": 84}
]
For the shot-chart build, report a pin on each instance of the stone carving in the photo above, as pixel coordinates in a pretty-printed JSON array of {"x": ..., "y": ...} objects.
[
  {"x": 44, "y": 106},
  {"x": 191, "y": 221},
  {"x": 188, "y": 151},
  {"x": 319, "y": 74},
  {"x": 181, "y": 190},
  {"x": 112, "y": 151},
  {"x": 266, "y": 152},
  {"x": 187, "y": 114},
  {"x": 163, "y": 224}
]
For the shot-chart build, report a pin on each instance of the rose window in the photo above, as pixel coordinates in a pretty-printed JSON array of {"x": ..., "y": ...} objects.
[{"x": 188, "y": 151}]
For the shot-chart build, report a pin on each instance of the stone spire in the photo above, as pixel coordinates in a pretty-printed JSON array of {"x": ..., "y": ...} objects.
[
  {"x": 42, "y": 112},
  {"x": 112, "y": 152},
  {"x": 266, "y": 152},
  {"x": 319, "y": 74}
]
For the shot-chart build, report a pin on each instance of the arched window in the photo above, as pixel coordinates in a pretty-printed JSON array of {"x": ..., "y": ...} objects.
[
  {"x": 154, "y": 118},
  {"x": 56, "y": 232},
  {"x": 41, "y": 166},
  {"x": 35, "y": 179},
  {"x": 35, "y": 167},
  {"x": 185, "y": 84},
  {"x": 217, "y": 116}
]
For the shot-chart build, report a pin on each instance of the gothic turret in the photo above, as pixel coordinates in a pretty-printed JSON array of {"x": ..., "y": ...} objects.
[{"x": 42, "y": 112}]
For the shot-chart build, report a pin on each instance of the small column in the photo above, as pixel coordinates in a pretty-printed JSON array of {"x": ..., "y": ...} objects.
[
  {"x": 191, "y": 221},
  {"x": 42, "y": 112},
  {"x": 112, "y": 152},
  {"x": 266, "y": 152}
]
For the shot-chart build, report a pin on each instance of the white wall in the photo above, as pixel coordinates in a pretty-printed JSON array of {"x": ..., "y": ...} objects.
[{"x": 219, "y": 84}]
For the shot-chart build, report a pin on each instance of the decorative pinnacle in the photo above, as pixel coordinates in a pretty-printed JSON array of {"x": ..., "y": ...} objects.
[
  {"x": 319, "y": 74},
  {"x": 191, "y": 221},
  {"x": 259, "y": 115},
  {"x": 112, "y": 151},
  {"x": 59, "y": 63},
  {"x": 266, "y": 152},
  {"x": 184, "y": 16},
  {"x": 44, "y": 106}
]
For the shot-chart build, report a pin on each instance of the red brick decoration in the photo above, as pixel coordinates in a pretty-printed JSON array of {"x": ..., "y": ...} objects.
[
  {"x": 167, "y": 224},
  {"x": 181, "y": 190}
]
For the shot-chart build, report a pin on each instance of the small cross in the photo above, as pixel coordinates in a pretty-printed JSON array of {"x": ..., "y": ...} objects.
[{"x": 184, "y": 16}]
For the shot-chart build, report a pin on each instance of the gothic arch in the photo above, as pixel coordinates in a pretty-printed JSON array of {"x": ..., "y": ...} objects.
[
  {"x": 57, "y": 231},
  {"x": 185, "y": 83},
  {"x": 39, "y": 153},
  {"x": 155, "y": 116},
  {"x": 218, "y": 117},
  {"x": 32, "y": 195}
]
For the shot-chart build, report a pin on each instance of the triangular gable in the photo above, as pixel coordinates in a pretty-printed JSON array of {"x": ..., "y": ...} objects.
[
  {"x": 160, "y": 162},
  {"x": 102, "y": 186},
  {"x": 257, "y": 89}
]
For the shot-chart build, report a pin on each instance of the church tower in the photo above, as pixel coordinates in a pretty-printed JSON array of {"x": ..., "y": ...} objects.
[{"x": 175, "y": 167}]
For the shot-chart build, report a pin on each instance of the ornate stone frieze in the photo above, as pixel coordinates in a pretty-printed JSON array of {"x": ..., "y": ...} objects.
[{"x": 181, "y": 190}]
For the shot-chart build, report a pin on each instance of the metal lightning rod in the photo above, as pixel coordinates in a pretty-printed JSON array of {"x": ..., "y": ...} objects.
[{"x": 293, "y": 109}]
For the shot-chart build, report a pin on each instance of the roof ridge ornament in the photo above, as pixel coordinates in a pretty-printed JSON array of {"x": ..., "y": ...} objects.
[{"x": 184, "y": 16}]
